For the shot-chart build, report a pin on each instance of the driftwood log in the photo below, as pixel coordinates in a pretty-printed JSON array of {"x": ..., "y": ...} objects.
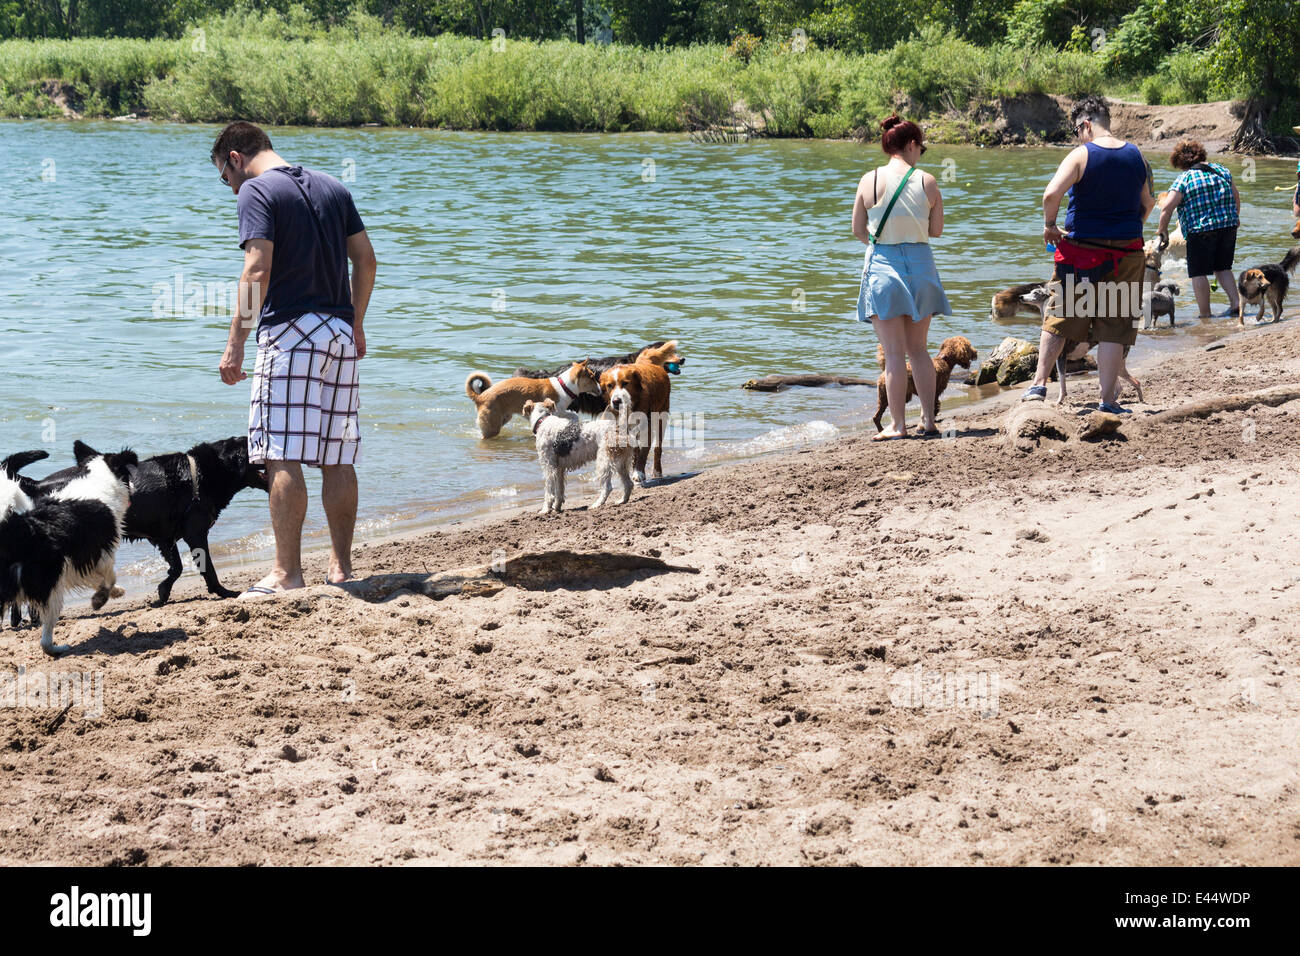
[
  {"x": 1277, "y": 395},
  {"x": 779, "y": 383}
]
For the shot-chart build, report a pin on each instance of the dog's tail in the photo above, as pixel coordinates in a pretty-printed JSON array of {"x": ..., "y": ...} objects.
[
  {"x": 477, "y": 384},
  {"x": 20, "y": 460},
  {"x": 1291, "y": 259}
]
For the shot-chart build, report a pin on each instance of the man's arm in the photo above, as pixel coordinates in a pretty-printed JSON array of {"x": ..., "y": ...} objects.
[
  {"x": 1148, "y": 193},
  {"x": 364, "y": 267},
  {"x": 1067, "y": 174},
  {"x": 252, "y": 290}
]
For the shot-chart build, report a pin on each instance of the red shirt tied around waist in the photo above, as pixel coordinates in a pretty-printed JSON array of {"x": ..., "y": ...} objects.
[
  {"x": 1108, "y": 183},
  {"x": 1092, "y": 258}
]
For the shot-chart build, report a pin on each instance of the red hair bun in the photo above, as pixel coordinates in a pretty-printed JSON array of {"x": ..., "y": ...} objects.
[{"x": 897, "y": 133}]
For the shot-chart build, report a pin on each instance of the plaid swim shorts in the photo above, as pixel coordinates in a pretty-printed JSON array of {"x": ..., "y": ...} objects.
[{"x": 305, "y": 393}]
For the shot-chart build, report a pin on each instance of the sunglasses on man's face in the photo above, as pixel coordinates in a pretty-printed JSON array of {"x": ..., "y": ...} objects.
[{"x": 222, "y": 173}]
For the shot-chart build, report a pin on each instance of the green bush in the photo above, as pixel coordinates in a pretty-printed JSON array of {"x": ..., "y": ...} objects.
[{"x": 1153, "y": 90}]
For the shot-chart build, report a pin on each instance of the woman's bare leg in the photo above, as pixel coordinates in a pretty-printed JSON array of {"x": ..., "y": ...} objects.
[
  {"x": 1201, "y": 289},
  {"x": 893, "y": 339},
  {"x": 923, "y": 376}
]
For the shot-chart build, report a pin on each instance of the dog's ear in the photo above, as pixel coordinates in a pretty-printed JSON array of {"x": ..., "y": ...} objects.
[
  {"x": 528, "y": 407},
  {"x": 83, "y": 452},
  {"x": 549, "y": 404}
]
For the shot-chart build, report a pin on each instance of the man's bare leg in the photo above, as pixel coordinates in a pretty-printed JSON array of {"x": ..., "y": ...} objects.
[
  {"x": 339, "y": 495},
  {"x": 1049, "y": 349},
  {"x": 288, "y": 509},
  {"x": 1110, "y": 357}
]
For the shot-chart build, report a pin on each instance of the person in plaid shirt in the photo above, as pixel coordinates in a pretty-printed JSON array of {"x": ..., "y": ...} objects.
[{"x": 1209, "y": 211}]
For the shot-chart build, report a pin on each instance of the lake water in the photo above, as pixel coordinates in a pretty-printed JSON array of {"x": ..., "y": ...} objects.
[{"x": 495, "y": 250}]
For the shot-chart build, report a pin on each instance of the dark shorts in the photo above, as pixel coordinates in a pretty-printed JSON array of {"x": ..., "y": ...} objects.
[
  {"x": 1211, "y": 251},
  {"x": 1107, "y": 308}
]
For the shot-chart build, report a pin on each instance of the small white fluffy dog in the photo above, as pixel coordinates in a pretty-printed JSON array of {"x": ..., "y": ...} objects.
[{"x": 565, "y": 444}]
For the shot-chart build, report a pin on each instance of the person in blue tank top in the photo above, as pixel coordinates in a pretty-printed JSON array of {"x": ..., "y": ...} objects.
[{"x": 1099, "y": 256}]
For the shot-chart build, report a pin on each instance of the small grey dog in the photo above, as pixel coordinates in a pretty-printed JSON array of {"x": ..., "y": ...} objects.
[
  {"x": 564, "y": 443},
  {"x": 1160, "y": 301}
]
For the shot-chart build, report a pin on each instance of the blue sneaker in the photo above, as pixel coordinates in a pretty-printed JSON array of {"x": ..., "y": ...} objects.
[
  {"x": 1035, "y": 393},
  {"x": 1113, "y": 408}
]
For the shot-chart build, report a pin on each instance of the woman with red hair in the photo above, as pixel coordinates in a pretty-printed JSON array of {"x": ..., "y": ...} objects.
[{"x": 897, "y": 211}]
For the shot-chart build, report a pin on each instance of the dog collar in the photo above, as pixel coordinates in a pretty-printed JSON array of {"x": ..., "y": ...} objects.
[
  {"x": 565, "y": 388},
  {"x": 540, "y": 419}
]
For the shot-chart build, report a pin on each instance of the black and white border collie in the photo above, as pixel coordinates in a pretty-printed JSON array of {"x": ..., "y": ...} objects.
[{"x": 66, "y": 541}]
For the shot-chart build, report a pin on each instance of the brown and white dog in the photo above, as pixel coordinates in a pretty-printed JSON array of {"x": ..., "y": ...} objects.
[
  {"x": 1266, "y": 285},
  {"x": 498, "y": 403},
  {"x": 661, "y": 353},
  {"x": 649, "y": 390},
  {"x": 952, "y": 352}
]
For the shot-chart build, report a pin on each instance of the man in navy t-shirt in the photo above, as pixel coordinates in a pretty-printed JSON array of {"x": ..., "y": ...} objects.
[{"x": 298, "y": 229}]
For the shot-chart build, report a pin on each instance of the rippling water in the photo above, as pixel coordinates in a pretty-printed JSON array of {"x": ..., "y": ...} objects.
[{"x": 495, "y": 250}]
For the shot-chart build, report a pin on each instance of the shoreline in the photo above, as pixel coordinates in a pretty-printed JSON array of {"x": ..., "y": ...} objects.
[
  {"x": 935, "y": 126},
  {"x": 975, "y": 401},
  {"x": 922, "y": 652}
]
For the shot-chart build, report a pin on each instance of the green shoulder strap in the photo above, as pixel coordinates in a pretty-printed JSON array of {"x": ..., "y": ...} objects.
[{"x": 890, "y": 208}]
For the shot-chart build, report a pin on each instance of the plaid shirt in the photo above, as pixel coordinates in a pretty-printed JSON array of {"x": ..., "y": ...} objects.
[{"x": 1207, "y": 200}]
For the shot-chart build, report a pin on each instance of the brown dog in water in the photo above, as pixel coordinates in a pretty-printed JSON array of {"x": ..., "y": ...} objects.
[
  {"x": 498, "y": 403},
  {"x": 953, "y": 352},
  {"x": 650, "y": 390}
]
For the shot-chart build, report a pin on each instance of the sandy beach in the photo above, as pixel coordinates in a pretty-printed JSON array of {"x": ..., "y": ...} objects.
[{"x": 943, "y": 651}]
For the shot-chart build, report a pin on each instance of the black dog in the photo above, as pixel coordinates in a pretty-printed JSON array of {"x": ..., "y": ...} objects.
[
  {"x": 593, "y": 404},
  {"x": 178, "y": 497}
]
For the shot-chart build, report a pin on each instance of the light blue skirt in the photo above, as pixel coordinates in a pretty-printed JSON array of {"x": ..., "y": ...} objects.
[{"x": 901, "y": 279}]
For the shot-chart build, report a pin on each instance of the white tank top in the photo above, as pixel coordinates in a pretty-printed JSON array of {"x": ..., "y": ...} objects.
[{"x": 910, "y": 220}]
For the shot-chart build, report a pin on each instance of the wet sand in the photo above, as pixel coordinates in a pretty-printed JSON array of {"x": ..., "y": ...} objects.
[{"x": 939, "y": 651}]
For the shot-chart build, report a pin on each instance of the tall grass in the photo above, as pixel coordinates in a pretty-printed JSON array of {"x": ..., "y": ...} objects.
[{"x": 281, "y": 70}]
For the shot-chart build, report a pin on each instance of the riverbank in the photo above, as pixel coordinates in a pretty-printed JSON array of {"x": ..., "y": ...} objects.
[
  {"x": 933, "y": 651},
  {"x": 991, "y": 95}
]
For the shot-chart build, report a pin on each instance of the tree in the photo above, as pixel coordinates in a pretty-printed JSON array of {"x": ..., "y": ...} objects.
[{"x": 1261, "y": 50}]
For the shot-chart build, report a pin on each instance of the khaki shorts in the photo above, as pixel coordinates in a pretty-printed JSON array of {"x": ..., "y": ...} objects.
[{"x": 1100, "y": 311}]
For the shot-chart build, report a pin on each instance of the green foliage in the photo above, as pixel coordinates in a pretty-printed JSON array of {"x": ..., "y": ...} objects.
[
  {"x": 744, "y": 46},
  {"x": 1260, "y": 54},
  {"x": 1146, "y": 34},
  {"x": 341, "y": 62}
]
